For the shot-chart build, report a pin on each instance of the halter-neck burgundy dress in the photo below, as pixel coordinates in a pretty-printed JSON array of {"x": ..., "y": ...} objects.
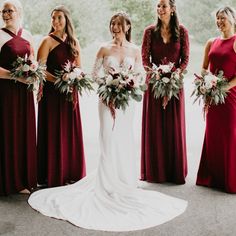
[
  {"x": 60, "y": 140},
  {"x": 163, "y": 154},
  {"x": 218, "y": 160},
  {"x": 17, "y": 124}
]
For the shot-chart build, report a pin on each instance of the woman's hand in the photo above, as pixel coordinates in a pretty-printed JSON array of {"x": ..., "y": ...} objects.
[{"x": 23, "y": 80}]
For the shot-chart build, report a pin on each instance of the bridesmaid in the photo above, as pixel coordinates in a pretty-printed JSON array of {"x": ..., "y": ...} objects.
[
  {"x": 17, "y": 114},
  {"x": 60, "y": 141},
  {"x": 218, "y": 160},
  {"x": 163, "y": 155}
]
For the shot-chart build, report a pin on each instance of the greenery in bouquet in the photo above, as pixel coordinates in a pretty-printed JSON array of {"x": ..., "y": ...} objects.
[
  {"x": 72, "y": 80},
  {"x": 209, "y": 88},
  {"x": 117, "y": 88},
  {"x": 32, "y": 71},
  {"x": 166, "y": 81}
]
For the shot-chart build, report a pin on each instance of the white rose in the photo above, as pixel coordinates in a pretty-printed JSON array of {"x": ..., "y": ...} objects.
[
  {"x": 208, "y": 85},
  {"x": 26, "y": 68},
  {"x": 72, "y": 75},
  {"x": 109, "y": 78},
  {"x": 78, "y": 71},
  {"x": 165, "y": 80},
  {"x": 165, "y": 68}
]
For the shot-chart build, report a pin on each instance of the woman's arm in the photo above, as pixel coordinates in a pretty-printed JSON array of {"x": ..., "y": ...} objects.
[
  {"x": 232, "y": 82},
  {"x": 4, "y": 74},
  {"x": 97, "y": 65},
  {"x": 146, "y": 49},
  {"x": 205, "y": 63},
  {"x": 42, "y": 56},
  {"x": 78, "y": 58},
  {"x": 184, "y": 42}
]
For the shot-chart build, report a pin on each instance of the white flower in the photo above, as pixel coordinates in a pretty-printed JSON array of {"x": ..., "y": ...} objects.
[
  {"x": 72, "y": 75},
  {"x": 26, "y": 68},
  {"x": 210, "y": 80},
  {"x": 109, "y": 79},
  {"x": 165, "y": 80},
  {"x": 166, "y": 68},
  {"x": 78, "y": 71},
  {"x": 34, "y": 66}
]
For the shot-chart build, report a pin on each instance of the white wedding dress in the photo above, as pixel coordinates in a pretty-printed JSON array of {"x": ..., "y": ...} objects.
[{"x": 108, "y": 199}]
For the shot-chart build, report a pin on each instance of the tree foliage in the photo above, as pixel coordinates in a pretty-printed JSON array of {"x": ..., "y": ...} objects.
[
  {"x": 91, "y": 17},
  {"x": 199, "y": 17}
]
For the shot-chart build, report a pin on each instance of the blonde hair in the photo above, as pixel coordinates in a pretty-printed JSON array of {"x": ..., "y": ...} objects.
[
  {"x": 229, "y": 13},
  {"x": 18, "y": 7}
]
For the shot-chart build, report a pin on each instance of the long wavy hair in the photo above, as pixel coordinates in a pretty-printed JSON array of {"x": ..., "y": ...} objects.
[
  {"x": 69, "y": 30},
  {"x": 230, "y": 14},
  {"x": 124, "y": 19},
  {"x": 174, "y": 24}
]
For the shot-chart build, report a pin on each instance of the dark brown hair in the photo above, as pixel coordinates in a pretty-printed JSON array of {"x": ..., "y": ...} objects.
[
  {"x": 69, "y": 30},
  {"x": 124, "y": 18},
  {"x": 174, "y": 24}
]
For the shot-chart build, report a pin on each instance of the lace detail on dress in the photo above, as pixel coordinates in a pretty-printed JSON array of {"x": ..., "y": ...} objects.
[
  {"x": 184, "y": 43},
  {"x": 146, "y": 48},
  {"x": 96, "y": 69}
]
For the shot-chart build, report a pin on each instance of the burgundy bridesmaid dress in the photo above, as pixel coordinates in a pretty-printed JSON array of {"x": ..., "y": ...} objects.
[
  {"x": 218, "y": 160},
  {"x": 60, "y": 141},
  {"x": 17, "y": 124},
  {"x": 163, "y": 154}
]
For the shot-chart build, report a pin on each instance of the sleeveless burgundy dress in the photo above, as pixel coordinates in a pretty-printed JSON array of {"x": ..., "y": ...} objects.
[
  {"x": 163, "y": 154},
  {"x": 60, "y": 141},
  {"x": 218, "y": 160},
  {"x": 17, "y": 124}
]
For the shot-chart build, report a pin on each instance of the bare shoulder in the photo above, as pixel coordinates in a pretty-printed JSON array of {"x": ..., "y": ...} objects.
[
  {"x": 47, "y": 41},
  {"x": 104, "y": 49},
  {"x": 134, "y": 48},
  {"x": 210, "y": 41}
]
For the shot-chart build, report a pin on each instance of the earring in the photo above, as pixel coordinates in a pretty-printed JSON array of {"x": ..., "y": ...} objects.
[{"x": 172, "y": 13}]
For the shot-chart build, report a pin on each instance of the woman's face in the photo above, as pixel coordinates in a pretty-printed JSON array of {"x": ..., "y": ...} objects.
[
  {"x": 223, "y": 23},
  {"x": 164, "y": 10},
  {"x": 58, "y": 21},
  {"x": 10, "y": 15},
  {"x": 116, "y": 28}
]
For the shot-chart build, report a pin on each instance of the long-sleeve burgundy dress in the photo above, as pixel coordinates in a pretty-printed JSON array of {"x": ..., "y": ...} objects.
[
  {"x": 60, "y": 140},
  {"x": 17, "y": 124},
  {"x": 218, "y": 160},
  {"x": 163, "y": 155}
]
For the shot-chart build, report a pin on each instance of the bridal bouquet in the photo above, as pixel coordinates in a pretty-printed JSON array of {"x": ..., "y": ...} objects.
[
  {"x": 72, "y": 80},
  {"x": 166, "y": 81},
  {"x": 118, "y": 87},
  {"x": 210, "y": 88},
  {"x": 32, "y": 71}
]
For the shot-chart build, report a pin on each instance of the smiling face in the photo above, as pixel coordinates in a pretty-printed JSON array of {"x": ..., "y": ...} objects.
[
  {"x": 58, "y": 21},
  {"x": 10, "y": 15},
  {"x": 164, "y": 10},
  {"x": 223, "y": 23},
  {"x": 118, "y": 27}
]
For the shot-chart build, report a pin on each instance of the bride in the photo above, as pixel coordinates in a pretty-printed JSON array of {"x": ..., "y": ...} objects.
[{"x": 108, "y": 199}]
